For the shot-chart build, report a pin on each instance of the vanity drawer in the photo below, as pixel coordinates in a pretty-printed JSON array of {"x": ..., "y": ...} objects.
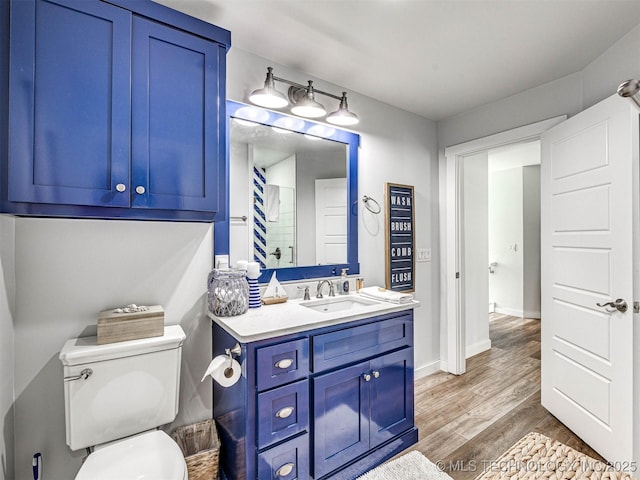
[
  {"x": 287, "y": 461},
  {"x": 335, "y": 349},
  {"x": 282, "y": 363},
  {"x": 283, "y": 413}
]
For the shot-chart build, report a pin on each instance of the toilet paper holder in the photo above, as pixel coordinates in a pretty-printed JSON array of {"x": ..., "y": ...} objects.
[{"x": 231, "y": 352}]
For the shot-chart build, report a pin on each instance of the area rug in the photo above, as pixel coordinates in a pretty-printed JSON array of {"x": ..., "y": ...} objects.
[
  {"x": 536, "y": 456},
  {"x": 410, "y": 466}
]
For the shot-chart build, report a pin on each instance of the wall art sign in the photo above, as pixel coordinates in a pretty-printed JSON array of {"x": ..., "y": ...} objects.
[{"x": 400, "y": 238}]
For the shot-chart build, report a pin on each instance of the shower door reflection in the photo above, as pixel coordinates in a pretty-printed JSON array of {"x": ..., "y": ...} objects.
[{"x": 277, "y": 225}]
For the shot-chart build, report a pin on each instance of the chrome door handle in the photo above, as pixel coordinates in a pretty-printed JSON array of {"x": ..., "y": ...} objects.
[{"x": 618, "y": 305}]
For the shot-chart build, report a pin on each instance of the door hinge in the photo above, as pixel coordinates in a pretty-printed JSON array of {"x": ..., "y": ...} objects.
[
  {"x": 636, "y": 307},
  {"x": 457, "y": 274}
]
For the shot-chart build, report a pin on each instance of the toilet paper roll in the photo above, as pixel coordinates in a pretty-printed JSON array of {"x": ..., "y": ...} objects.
[{"x": 224, "y": 371}]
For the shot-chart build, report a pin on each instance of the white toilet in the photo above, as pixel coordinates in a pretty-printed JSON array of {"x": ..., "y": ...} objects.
[{"x": 115, "y": 396}]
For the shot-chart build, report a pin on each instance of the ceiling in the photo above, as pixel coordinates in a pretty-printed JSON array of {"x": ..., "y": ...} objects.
[{"x": 434, "y": 58}]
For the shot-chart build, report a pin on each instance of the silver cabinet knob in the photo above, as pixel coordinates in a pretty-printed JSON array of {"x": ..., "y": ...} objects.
[
  {"x": 140, "y": 190},
  {"x": 284, "y": 363},
  {"x": 121, "y": 187},
  {"x": 285, "y": 469},
  {"x": 367, "y": 377},
  {"x": 284, "y": 412},
  {"x": 376, "y": 374}
]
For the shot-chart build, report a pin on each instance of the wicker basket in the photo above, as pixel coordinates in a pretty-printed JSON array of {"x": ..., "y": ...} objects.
[{"x": 201, "y": 449}]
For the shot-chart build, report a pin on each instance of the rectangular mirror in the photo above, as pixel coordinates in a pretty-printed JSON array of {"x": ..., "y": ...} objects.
[{"x": 293, "y": 194}]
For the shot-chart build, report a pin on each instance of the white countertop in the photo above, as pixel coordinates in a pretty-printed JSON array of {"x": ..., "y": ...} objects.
[{"x": 270, "y": 321}]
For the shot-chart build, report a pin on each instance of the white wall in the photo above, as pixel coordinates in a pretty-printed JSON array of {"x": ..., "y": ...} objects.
[
  {"x": 476, "y": 257},
  {"x": 66, "y": 272},
  {"x": 531, "y": 241},
  {"x": 7, "y": 310},
  {"x": 396, "y": 146},
  {"x": 506, "y": 240}
]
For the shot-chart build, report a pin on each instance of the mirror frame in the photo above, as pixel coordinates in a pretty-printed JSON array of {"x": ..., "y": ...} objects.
[{"x": 352, "y": 142}]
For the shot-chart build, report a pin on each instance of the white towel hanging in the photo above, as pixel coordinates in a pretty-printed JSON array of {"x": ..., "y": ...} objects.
[{"x": 272, "y": 201}]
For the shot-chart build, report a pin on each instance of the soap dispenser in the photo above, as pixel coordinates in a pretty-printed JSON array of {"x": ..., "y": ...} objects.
[{"x": 344, "y": 282}]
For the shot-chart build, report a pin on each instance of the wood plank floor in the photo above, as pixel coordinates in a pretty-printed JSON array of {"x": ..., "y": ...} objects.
[{"x": 467, "y": 421}]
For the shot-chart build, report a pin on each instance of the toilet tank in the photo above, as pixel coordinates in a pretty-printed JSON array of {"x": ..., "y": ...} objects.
[{"x": 133, "y": 386}]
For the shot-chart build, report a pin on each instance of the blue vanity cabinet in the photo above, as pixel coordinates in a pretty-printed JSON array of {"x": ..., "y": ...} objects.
[
  {"x": 328, "y": 403},
  {"x": 116, "y": 111},
  {"x": 360, "y": 407}
]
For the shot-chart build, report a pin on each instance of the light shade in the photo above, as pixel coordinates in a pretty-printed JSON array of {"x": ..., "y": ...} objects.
[
  {"x": 307, "y": 106},
  {"x": 343, "y": 116},
  {"x": 268, "y": 96}
]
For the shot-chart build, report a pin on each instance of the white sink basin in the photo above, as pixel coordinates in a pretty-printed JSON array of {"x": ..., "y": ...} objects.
[{"x": 338, "y": 304}]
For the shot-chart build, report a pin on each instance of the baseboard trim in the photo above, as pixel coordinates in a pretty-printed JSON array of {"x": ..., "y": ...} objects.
[
  {"x": 470, "y": 351},
  {"x": 477, "y": 348},
  {"x": 518, "y": 313},
  {"x": 427, "y": 369},
  {"x": 510, "y": 311}
]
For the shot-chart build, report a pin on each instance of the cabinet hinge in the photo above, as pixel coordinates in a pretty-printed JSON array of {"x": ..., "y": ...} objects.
[
  {"x": 457, "y": 274},
  {"x": 636, "y": 307}
]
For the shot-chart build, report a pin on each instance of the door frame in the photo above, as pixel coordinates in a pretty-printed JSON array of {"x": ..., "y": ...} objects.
[{"x": 452, "y": 234}]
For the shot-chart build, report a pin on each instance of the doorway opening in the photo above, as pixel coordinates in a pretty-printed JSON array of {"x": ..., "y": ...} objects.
[
  {"x": 465, "y": 285},
  {"x": 501, "y": 240}
]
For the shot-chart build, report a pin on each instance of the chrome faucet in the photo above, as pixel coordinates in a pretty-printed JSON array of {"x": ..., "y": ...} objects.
[{"x": 319, "y": 289}]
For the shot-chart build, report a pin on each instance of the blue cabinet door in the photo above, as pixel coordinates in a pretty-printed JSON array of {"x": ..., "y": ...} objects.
[
  {"x": 391, "y": 395},
  {"x": 177, "y": 95},
  {"x": 341, "y": 410},
  {"x": 69, "y": 120}
]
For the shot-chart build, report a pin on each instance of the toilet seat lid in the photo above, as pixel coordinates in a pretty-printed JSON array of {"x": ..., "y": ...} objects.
[{"x": 147, "y": 456}]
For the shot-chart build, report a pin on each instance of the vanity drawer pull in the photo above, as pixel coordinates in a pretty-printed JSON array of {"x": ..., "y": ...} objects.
[
  {"x": 285, "y": 469},
  {"x": 285, "y": 412},
  {"x": 284, "y": 363}
]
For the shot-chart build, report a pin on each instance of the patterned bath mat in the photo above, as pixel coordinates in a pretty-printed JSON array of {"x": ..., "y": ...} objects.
[
  {"x": 410, "y": 466},
  {"x": 536, "y": 456}
]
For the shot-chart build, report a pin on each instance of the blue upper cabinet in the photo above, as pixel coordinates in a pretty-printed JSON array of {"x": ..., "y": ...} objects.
[
  {"x": 176, "y": 123},
  {"x": 116, "y": 111},
  {"x": 69, "y": 103}
]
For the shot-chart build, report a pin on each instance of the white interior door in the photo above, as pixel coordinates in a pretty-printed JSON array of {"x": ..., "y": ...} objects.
[
  {"x": 331, "y": 221},
  {"x": 587, "y": 259}
]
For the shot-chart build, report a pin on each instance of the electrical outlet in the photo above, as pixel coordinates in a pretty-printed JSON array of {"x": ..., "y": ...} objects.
[
  {"x": 423, "y": 254},
  {"x": 221, "y": 261}
]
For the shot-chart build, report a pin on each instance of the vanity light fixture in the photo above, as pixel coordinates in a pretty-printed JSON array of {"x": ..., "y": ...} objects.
[{"x": 302, "y": 100}]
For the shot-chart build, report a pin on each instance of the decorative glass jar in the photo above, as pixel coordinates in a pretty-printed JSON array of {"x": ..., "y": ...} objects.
[{"x": 228, "y": 292}]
